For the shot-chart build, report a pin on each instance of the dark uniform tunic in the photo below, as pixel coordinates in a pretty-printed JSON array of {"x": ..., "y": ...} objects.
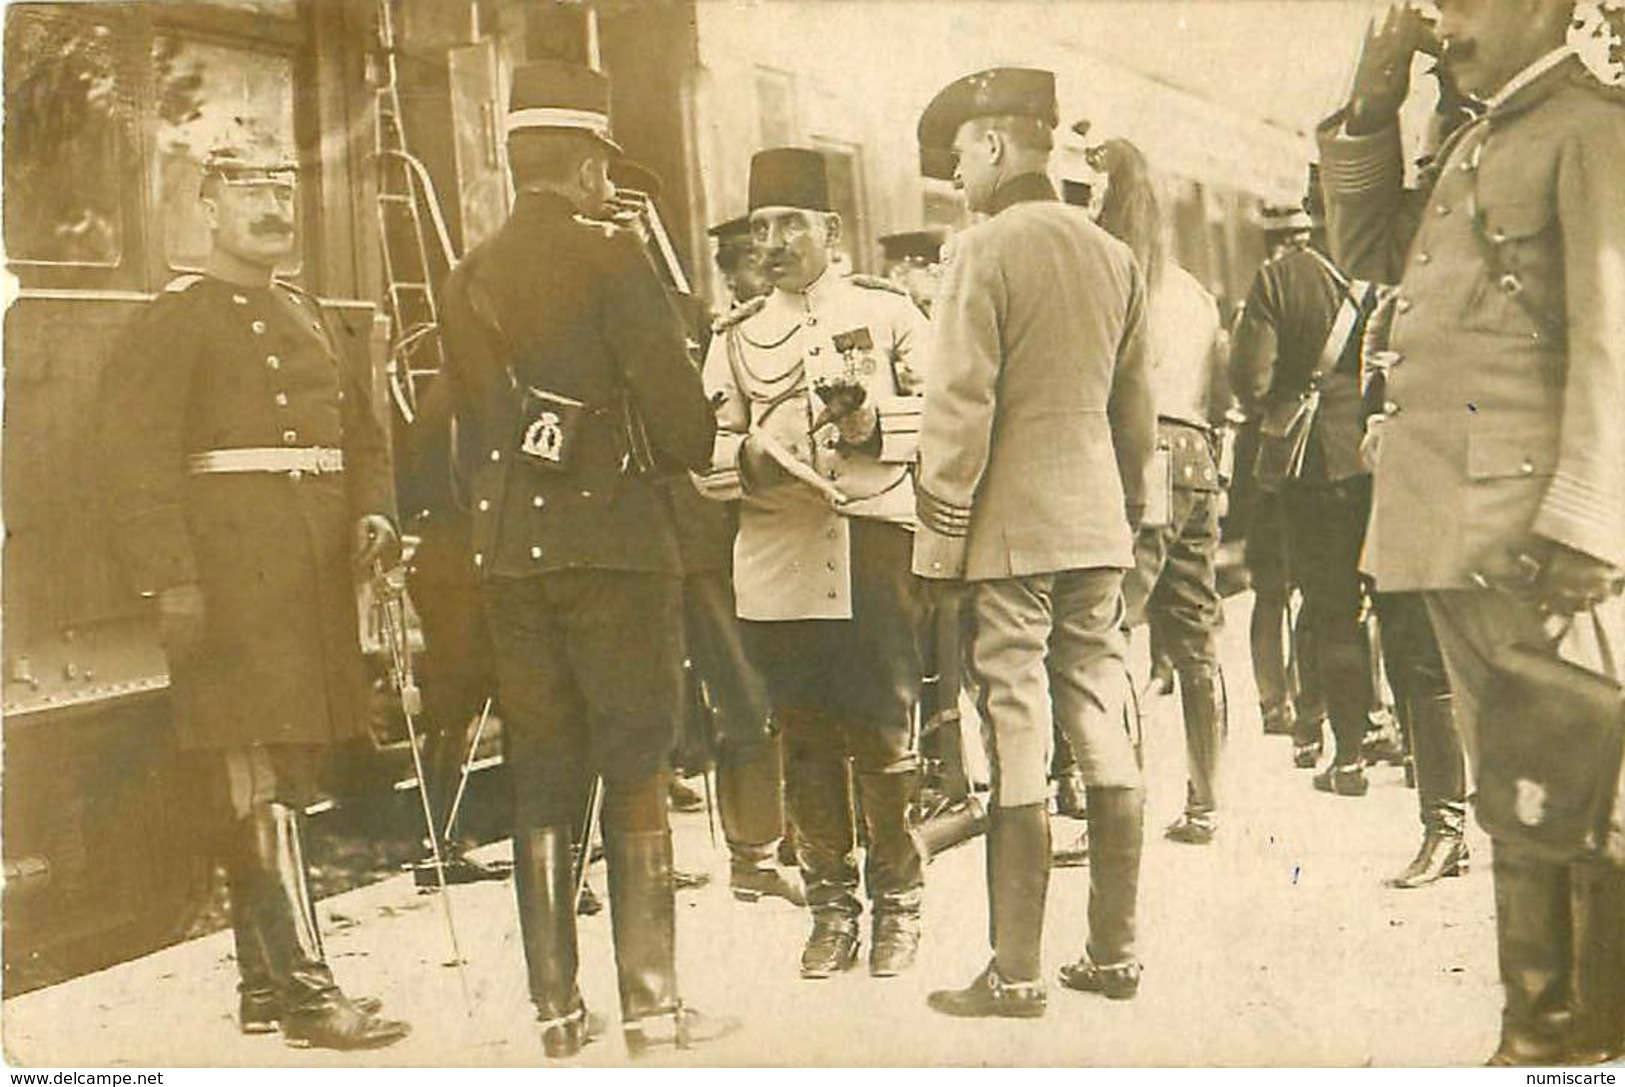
[
  {"x": 213, "y": 366},
  {"x": 579, "y": 561}
]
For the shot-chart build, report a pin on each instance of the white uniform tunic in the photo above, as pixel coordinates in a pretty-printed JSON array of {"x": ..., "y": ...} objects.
[{"x": 792, "y": 555}]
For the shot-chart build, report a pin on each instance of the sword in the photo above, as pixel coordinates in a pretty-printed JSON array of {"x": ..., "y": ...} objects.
[
  {"x": 468, "y": 765},
  {"x": 392, "y": 619},
  {"x": 595, "y": 805}
]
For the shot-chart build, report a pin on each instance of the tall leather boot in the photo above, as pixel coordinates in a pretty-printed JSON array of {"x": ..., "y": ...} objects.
[
  {"x": 1533, "y": 928},
  {"x": 544, "y": 883},
  {"x": 1018, "y": 864},
  {"x": 1206, "y": 727},
  {"x": 258, "y": 1009},
  {"x": 894, "y": 871},
  {"x": 750, "y": 801},
  {"x": 314, "y": 1012},
  {"x": 643, "y": 915},
  {"x": 1599, "y": 963},
  {"x": 821, "y": 807},
  {"x": 1441, "y": 791},
  {"x": 1117, "y": 831}
]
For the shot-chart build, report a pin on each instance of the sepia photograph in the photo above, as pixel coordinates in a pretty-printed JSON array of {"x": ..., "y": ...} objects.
[{"x": 714, "y": 534}]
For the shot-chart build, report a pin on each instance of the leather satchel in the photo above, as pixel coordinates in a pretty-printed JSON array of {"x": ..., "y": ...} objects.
[{"x": 1551, "y": 743}]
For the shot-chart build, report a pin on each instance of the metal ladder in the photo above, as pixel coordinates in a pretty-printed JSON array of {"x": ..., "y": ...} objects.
[{"x": 405, "y": 190}]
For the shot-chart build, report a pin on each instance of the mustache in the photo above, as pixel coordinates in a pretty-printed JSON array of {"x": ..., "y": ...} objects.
[{"x": 271, "y": 226}]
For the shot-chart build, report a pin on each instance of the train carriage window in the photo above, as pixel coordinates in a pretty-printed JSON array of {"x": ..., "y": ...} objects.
[
  {"x": 204, "y": 93},
  {"x": 65, "y": 124}
]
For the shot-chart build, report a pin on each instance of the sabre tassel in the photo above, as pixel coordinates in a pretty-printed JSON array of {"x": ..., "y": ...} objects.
[{"x": 392, "y": 615}]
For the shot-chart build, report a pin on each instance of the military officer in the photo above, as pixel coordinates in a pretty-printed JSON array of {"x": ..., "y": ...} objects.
[
  {"x": 813, "y": 386},
  {"x": 1499, "y": 452},
  {"x": 1174, "y": 583},
  {"x": 246, "y": 478},
  {"x": 569, "y": 362},
  {"x": 1038, "y": 432},
  {"x": 738, "y": 261}
]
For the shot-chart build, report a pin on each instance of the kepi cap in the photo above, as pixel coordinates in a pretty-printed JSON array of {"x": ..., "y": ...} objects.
[
  {"x": 924, "y": 246},
  {"x": 247, "y": 154},
  {"x": 789, "y": 177},
  {"x": 556, "y": 94},
  {"x": 1285, "y": 219},
  {"x": 735, "y": 231},
  {"x": 996, "y": 92}
]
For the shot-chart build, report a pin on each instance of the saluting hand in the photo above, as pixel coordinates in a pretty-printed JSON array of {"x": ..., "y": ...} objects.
[
  {"x": 1383, "y": 78},
  {"x": 376, "y": 541},
  {"x": 181, "y": 619}
]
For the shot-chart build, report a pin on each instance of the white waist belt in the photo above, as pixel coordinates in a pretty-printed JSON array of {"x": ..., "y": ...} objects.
[{"x": 315, "y": 461}]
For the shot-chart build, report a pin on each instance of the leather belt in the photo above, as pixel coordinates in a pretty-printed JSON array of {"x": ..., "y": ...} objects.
[{"x": 314, "y": 461}]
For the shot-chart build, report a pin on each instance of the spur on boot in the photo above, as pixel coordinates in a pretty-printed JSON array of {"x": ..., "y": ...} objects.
[
  {"x": 990, "y": 996},
  {"x": 832, "y": 947},
  {"x": 1441, "y": 856},
  {"x": 1119, "y": 981},
  {"x": 684, "y": 1028}
]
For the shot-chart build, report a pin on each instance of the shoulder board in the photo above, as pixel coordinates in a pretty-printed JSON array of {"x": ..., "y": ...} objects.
[
  {"x": 609, "y": 230},
  {"x": 876, "y": 283},
  {"x": 182, "y": 283},
  {"x": 740, "y": 313}
]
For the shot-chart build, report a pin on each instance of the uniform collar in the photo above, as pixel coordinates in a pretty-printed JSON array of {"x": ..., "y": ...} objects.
[
  {"x": 1532, "y": 84},
  {"x": 1021, "y": 189},
  {"x": 813, "y": 294},
  {"x": 543, "y": 204}
]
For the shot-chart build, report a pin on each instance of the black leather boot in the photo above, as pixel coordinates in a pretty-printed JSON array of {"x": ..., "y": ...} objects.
[
  {"x": 1117, "y": 830},
  {"x": 544, "y": 884},
  {"x": 1206, "y": 729},
  {"x": 1599, "y": 964},
  {"x": 643, "y": 916},
  {"x": 313, "y": 1011},
  {"x": 750, "y": 801},
  {"x": 894, "y": 871},
  {"x": 820, "y": 802},
  {"x": 1441, "y": 792},
  {"x": 258, "y": 1009},
  {"x": 1018, "y": 855},
  {"x": 1533, "y": 929}
]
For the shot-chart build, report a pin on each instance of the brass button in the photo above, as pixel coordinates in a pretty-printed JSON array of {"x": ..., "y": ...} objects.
[
  {"x": 833, "y": 533},
  {"x": 239, "y": 299},
  {"x": 1390, "y": 408},
  {"x": 1527, "y": 467},
  {"x": 832, "y": 594},
  {"x": 1441, "y": 209},
  {"x": 1403, "y": 305},
  {"x": 535, "y": 552},
  {"x": 479, "y": 559},
  {"x": 538, "y": 502},
  {"x": 296, "y": 475},
  {"x": 830, "y": 566},
  {"x": 1498, "y": 235},
  {"x": 484, "y": 504},
  {"x": 812, "y": 320},
  {"x": 289, "y": 437},
  {"x": 586, "y": 494},
  {"x": 814, "y": 349},
  {"x": 258, "y": 327},
  {"x": 281, "y": 400},
  {"x": 273, "y": 362},
  {"x": 1424, "y": 257},
  {"x": 496, "y": 454}
]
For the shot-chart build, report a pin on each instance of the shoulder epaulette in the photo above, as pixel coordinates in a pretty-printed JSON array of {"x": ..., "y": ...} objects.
[
  {"x": 739, "y": 313},
  {"x": 183, "y": 283},
  {"x": 876, "y": 283},
  {"x": 608, "y": 229}
]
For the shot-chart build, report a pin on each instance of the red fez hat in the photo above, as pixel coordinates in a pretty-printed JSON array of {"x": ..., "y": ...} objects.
[{"x": 789, "y": 177}]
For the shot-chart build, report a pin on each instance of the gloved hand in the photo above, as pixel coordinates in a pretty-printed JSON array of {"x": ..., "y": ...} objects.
[
  {"x": 1382, "y": 81},
  {"x": 1572, "y": 581},
  {"x": 376, "y": 540},
  {"x": 181, "y": 619}
]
